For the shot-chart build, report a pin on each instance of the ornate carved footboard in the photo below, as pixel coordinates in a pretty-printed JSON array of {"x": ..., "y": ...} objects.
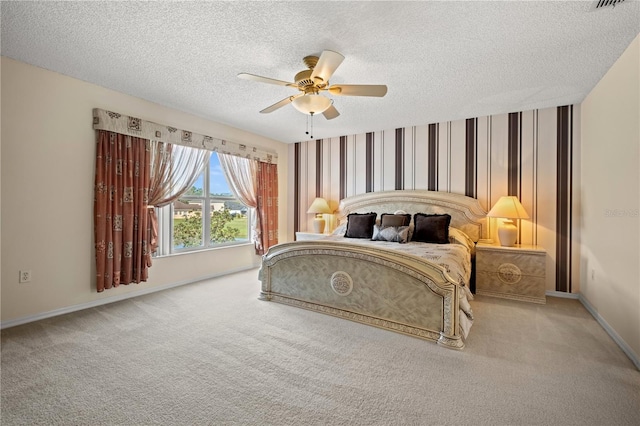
[
  {"x": 373, "y": 286},
  {"x": 376, "y": 286}
]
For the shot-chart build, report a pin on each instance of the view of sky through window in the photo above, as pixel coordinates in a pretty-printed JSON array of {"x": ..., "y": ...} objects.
[{"x": 217, "y": 182}]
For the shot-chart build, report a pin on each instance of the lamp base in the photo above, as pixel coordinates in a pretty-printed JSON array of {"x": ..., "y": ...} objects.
[
  {"x": 318, "y": 225},
  {"x": 507, "y": 233}
]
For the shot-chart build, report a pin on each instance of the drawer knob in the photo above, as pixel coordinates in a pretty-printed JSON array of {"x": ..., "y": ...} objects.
[{"x": 509, "y": 273}]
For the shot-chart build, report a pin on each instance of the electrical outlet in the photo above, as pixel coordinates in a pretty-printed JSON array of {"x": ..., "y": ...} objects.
[{"x": 25, "y": 276}]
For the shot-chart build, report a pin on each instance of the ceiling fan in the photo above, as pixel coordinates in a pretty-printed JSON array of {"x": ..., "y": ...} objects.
[{"x": 314, "y": 80}]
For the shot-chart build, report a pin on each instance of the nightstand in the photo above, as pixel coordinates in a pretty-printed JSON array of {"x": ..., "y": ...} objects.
[
  {"x": 308, "y": 236},
  {"x": 511, "y": 272}
]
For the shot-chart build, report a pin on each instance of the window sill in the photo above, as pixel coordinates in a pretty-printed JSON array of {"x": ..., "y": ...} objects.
[{"x": 202, "y": 250}]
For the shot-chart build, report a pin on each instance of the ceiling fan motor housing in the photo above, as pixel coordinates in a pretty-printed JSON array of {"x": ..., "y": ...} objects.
[
  {"x": 308, "y": 85},
  {"x": 303, "y": 79}
]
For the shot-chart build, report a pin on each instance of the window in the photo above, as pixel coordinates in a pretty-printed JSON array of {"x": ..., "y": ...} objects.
[{"x": 206, "y": 216}]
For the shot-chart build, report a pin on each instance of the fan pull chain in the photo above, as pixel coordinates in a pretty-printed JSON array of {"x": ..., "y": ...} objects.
[
  {"x": 309, "y": 120},
  {"x": 307, "y": 132}
]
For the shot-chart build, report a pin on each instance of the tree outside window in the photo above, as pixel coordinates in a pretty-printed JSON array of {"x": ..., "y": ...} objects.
[{"x": 208, "y": 215}]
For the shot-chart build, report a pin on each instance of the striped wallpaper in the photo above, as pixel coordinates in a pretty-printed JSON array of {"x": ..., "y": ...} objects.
[{"x": 528, "y": 154}]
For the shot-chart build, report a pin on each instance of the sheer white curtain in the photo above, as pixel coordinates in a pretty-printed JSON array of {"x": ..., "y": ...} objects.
[
  {"x": 242, "y": 176},
  {"x": 174, "y": 169}
]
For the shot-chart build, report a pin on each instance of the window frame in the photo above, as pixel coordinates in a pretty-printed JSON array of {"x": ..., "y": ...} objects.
[{"x": 165, "y": 217}]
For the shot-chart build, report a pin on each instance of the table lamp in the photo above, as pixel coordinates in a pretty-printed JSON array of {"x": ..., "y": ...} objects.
[
  {"x": 319, "y": 207},
  {"x": 509, "y": 208}
]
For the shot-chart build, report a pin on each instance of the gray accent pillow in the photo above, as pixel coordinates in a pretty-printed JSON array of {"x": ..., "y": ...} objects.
[
  {"x": 360, "y": 225},
  {"x": 431, "y": 228},
  {"x": 394, "y": 234}
]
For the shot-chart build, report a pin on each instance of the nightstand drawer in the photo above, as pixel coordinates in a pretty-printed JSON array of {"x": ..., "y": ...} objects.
[
  {"x": 529, "y": 264},
  {"x": 525, "y": 288},
  {"x": 511, "y": 272}
]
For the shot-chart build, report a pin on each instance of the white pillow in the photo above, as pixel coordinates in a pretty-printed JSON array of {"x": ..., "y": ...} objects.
[
  {"x": 456, "y": 236},
  {"x": 340, "y": 230}
]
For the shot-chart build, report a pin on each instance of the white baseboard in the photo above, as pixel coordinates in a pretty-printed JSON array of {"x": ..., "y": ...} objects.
[
  {"x": 107, "y": 300},
  {"x": 611, "y": 332},
  {"x": 562, "y": 294}
]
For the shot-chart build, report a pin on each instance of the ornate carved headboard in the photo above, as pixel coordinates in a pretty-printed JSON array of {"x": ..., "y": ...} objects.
[{"x": 466, "y": 212}]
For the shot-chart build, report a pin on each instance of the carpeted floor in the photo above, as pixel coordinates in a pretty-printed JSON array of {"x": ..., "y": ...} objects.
[{"x": 211, "y": 353}]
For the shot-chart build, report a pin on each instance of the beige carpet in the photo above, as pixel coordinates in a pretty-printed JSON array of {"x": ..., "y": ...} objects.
[{"x": 211, "y": 353}]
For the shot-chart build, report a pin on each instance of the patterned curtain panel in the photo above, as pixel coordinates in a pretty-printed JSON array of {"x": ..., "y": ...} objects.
[
  {"x": 174, "y": 169},
  {"x": 267, "y": 206},
  {"x": 120, "y": 209},
  {"x": 242, "y": 176}
]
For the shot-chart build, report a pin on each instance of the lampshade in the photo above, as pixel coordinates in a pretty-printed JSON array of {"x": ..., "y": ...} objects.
[
  {"x": 319, "y": 205},
  {"x": 311, "y": 103},
  {"x": 508, "y": 207}
]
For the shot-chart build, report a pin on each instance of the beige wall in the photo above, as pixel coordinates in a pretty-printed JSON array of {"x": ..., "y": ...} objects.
[
  {"x": 47, "y": 175},
  {"x": 610, "y": 162}
]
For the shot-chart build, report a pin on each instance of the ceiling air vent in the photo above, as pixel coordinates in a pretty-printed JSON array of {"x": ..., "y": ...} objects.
[{"x": 599, "y": 4}]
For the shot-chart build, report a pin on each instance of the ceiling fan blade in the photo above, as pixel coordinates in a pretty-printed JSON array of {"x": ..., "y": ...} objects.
[
  {"x": 378, "y": 90},
  {"x": 331, "y": 113},
  {"x": 327, "y": 64},
  {"x": 253, "y": 77},
  {"x": 280, "y": 104}
]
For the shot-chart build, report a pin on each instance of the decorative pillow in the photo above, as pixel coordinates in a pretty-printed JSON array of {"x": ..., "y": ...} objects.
[
  {"x": 387, "y": 219},
  {"x": 340, "y": 230},
  {"x": 456, "y": 236},
  {"x": 431, "y": 228},
  {"x": 360, "y": 225},
  {"x": 394, "y": 234}
]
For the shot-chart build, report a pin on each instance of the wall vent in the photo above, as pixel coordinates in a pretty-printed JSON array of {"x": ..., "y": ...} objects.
[{"x": 599, "y": 4}]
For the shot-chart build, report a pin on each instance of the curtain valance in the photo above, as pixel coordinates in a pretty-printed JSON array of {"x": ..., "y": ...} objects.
[{"x": 133, "y": 126}]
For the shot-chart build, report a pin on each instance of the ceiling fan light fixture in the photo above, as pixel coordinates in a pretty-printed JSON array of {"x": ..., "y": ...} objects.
[
  {"x": 312, "y": 104},
  {"x": 312, "y": 81}
]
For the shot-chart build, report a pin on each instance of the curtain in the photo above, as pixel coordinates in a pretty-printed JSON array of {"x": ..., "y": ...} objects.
[
  {"x": 242, "y": 176},
  {"x": 120, "y": 209},
  {"x": 267, "y": 190},
  {"x": 174, "y": 169}
]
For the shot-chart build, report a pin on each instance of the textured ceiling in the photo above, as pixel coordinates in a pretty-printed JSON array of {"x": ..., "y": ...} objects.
[{"x": 440, "y": 60}]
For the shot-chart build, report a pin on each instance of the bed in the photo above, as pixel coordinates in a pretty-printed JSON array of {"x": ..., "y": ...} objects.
[{"x": 406, "y": 288}]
